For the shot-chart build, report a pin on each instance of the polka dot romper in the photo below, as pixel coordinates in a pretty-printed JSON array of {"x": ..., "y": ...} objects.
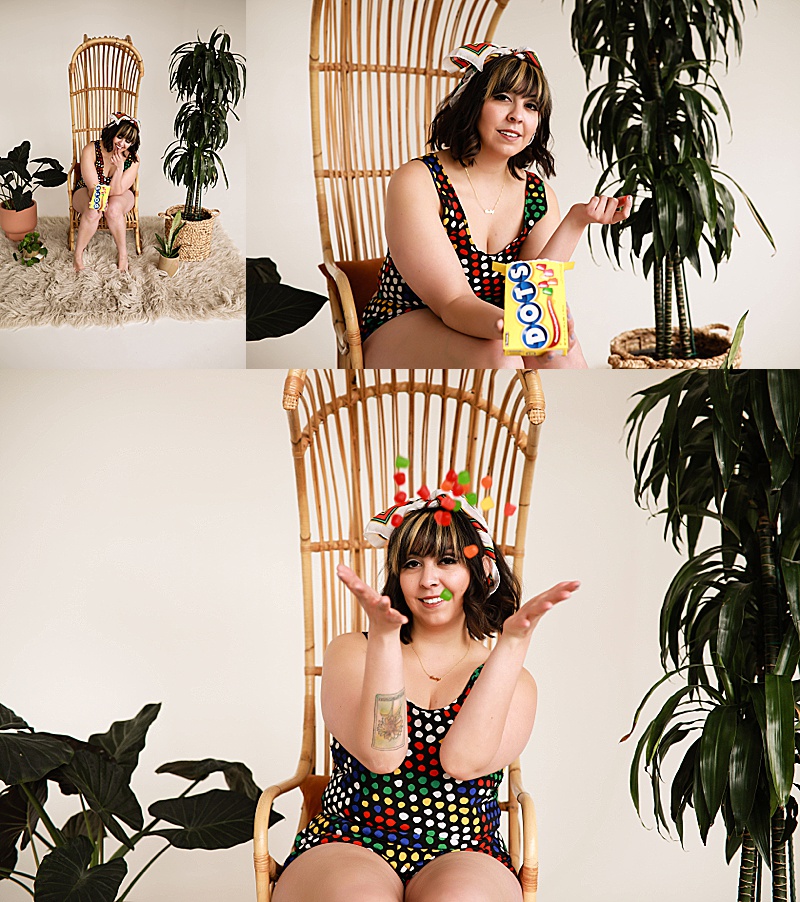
[
  {"x": 394, "y": 297},
  {"x": 417, "y": 812}
]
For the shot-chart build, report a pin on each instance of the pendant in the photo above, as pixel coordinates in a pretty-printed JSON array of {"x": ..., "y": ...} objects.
[
  {"x": 435, "y": 679},
  {"x": 489, "y": 211}
]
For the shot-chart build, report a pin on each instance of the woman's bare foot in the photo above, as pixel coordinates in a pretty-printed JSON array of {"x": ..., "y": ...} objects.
[
  {"x": 122, "y": 263},
  {"x": 77, "y": 261}
]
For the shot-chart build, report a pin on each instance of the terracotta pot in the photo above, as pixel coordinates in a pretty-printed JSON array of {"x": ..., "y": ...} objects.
[
  {"x": 17, "y": 224},
  {"x": 635, "y": 350},
  {"x": 169, "y": 265}
]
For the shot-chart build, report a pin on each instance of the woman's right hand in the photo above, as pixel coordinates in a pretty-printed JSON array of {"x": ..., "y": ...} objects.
[{"x": 383, "y": 618}]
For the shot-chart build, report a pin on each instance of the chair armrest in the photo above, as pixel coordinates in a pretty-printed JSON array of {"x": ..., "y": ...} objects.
[
  {"x": 529, "y": 872},
  {"x": 345, "y": 318},
  {"x": 266, "y": 867}
]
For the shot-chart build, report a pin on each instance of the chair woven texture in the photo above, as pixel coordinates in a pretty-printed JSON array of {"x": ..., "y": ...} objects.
[{"x": 346, "y": 430}]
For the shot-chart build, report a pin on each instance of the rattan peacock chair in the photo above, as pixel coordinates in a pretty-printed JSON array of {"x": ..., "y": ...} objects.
[
  {"x": 376, "y": 80},
  {"x": 346, "y": 431},
  {"x": 104, "y": 78}
]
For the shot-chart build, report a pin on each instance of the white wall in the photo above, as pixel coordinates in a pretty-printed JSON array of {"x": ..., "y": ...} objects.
[
  {"x": 149, "y": 553},
  {"x": 282, "y": 220},
  {"x": 35, "y": 107}
]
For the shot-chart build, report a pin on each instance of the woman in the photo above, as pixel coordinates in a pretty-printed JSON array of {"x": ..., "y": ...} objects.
[
  {"x": 452, "y": 213},
  {"x": 411, "y": 810},
  {"x": 112, "y": 160}
]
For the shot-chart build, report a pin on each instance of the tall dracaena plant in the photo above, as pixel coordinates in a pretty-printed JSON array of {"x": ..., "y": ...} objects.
[
  {"x": 652, "y": 125},
  {"x": 728, "y": 448},
  {"x": 207, "y": 78}
]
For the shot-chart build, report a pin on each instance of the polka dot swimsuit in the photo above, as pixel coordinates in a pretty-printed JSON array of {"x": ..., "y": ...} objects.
[
  {"x": 417, "y": 812},
  {"x": 98, "y": 165},
  {"x": 394, "y": 296}
]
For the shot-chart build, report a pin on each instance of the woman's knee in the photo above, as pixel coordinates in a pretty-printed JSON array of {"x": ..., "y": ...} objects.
[
  {"x": 114, "y": 212},
  {"x": 92, "y": 216}
]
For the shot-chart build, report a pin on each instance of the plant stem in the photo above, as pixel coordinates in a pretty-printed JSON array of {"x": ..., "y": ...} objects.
[
  {"x": 54, "y": 832},
  {"x": 790, "y": 850},
  {"x": 688, "y": 349},
  {"x": 769, "y": 585},
  {"x": 668, "y": 343},
  {"x": 37, "y": 834},
  {"x": 8, "y": 872},
  {"x": 779, "y": 893},
  {"x": 133, "y": 882},
  {"x": 658, "y": 296},
  {"x": 748, "y": 869}
]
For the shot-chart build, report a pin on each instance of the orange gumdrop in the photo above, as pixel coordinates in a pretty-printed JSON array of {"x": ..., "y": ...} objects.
[{"x": 470, "y": 551}]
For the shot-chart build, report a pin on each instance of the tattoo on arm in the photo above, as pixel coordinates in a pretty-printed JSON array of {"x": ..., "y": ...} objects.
[{"x": 389, "y": 724}]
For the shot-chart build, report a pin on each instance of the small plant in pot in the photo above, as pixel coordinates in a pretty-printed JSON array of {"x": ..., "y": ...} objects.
[
  {"x": 168, "y": 248},
  {"x": 652, "y": 126},
  {"x": 17, "y": 184},
  {"x": 210, "y": 80},
  {"x": 31, "y": 250}
]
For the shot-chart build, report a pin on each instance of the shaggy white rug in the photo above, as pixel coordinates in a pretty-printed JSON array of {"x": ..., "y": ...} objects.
[{"x": 52, "y": 293}]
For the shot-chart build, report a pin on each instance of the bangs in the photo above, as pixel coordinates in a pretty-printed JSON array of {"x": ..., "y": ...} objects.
[
  {"x": 127, "y": 132},
  {"x": 424, "y": 537},
  {"x": 512, "y": 75}
]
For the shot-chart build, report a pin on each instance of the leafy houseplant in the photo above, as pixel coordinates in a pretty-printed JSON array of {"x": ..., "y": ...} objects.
[
  {"x": 728, "y": 448},
  {"x": 652, "y": 125},
  {"x": 273, "y": 308},
  {"x": 207, "y": 79},
  {"x": 17, "y": 183},
  {"x": 168, "y": 248},
  {"x": 70, "y": 860},
  {"x": 31, "y": 250}
]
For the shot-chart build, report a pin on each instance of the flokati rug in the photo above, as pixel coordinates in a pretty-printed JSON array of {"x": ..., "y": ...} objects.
[{"x": 51, "y": 293}]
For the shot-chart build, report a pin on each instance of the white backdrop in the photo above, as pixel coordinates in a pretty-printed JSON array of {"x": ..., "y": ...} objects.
[
  {"x": 149, "y": 553},
  {"x": 35, "y": 106},
  {"x": 282, "y": 220}
]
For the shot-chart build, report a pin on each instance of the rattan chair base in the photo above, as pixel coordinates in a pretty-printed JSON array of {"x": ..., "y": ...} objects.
[
  {"x": 194, "y": 239},
  {"x": 635, "y": 350}
]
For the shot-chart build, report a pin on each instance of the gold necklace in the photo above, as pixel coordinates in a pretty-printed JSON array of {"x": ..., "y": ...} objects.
[
  {"x": 430, "y": 676},
  {"x": 502, "y": 188}
]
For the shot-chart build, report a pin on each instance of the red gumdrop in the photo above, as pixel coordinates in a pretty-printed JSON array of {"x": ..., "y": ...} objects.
[
  {"x": 397, "y": 519},
  {"x": 447, "y": 503},
  {"x": 443, "y": 518},
  {"x": 424, "y": 492},
  {"x": 399, "y": 478},
  {"x": 459, "y": 489},
  {"x": 510, "y": 509},
  {"x": 400, "y": 498},
  {"x": 451, "y": 476}
]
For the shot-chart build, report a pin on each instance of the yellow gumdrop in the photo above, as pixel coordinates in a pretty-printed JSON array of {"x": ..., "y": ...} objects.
[{"x": 487, "y": 503}]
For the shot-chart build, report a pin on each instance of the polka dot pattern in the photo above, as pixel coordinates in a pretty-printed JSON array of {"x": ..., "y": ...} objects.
[
  {"x": 416, "y": 813},
  {"x": 394, "y": 296}
]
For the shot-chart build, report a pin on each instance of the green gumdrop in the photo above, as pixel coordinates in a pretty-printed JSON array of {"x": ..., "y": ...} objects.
[
  {"x": 472, "y": 498},
  {"x": 463, "y": 477},
  {"x": 446, "y": 594},
  {"x": 547, "y": 291},
  {"x": 457, "y": 506},
  {"x": 400, "y": 461}
]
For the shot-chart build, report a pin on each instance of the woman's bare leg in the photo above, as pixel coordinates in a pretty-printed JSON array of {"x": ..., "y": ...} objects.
[
  {"x": 464, "y": 877},
  {"x": 338, "y": 872},
  {"x": 116, "y": 211},
  {"x": 90, "y": 219}
]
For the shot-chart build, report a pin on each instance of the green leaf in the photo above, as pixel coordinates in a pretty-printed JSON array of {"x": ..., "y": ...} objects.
[
  {"x": 705, "y": 185},
  {"x": 791, "y": 581},
  {"x": 780, "y": 734},
  {"x": 238, "y": 776},
  {"x": 85, "y": 823},
  {"x": 276, "y": 310},
  {"x": 738, "y": 334},
  {"x": 759, "y": 821},
  {"x": 11, "y": 721},
  {"x": 217, "y": 819},
  {"x": 745, "y": 765},
  {"x": 65, "y": 876},
  {"x": 731, "y": 616},
  {"x": 784, "y": 396},
  {"x": 25, "y": 758},
  {"x": 17, "y": 819},
  {"x": 719, "y": 733},
  {"x": 125, "y": 739}
]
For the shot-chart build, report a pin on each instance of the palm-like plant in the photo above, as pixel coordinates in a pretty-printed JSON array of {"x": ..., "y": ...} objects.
[
  {"x": 652, "y": 125},
  {"x": 727, "y": 448},
  {"x": 207, "y": 78}
]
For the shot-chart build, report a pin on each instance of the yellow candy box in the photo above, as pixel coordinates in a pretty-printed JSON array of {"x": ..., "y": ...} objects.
[{"x": 535, "y": 320}]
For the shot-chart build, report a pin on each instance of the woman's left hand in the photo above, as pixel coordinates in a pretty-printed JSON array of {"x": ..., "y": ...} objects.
[
  {"x": 118, "y": 159},
  {"x": 521, "y": 624},
  {"x": 604, "y": 210}
]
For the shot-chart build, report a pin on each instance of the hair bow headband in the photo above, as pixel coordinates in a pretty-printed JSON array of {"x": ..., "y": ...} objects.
[
  {"x": 118, "y": 118},
  {"x": 471, "y": 58},
  {"x": 380, "y": 527}
]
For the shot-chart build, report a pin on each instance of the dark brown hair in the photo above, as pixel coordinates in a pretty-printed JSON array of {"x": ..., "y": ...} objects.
[
  {"x": 456, "y": 127},
  {"x": 126, "y": 130},
  {"x": 419, "y": 535}
]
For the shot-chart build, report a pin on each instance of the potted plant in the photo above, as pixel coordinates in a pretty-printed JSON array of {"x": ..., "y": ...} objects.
[
  {"x": 17, "y": 184},
  {"x": 168, "y": 250},
  {"x": 207, "y": 79},
  {"x": 727, "y": 448},
  {"x": 71, "y": 861},
  {"x": 31, "y": 250},
  {"x": 274, "y": 308},
  {"x": 652, "y": 126}
]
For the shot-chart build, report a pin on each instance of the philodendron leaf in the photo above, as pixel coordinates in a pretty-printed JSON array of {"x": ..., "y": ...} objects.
[
  {"x": 65, "y": 876},
  {"x": 106, "y": 788},
  {"x": 238, "y": 776},
  {"x": 274, "y": 309},
  {"x": 16, "y": 818},
  {"x": 28, "y": 757},
  {"x": 85, "y": 823},
  {"x": 125, "y": 739},
  {"x": 780, "y": 733},
  {"x": 217, "y": 819},
  {"x": 11, "y": 721}
]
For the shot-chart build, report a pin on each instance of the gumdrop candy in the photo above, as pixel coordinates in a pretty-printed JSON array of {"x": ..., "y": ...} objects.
[
  {"x": 400, "y": 461},
  {"x": 487, "y": 503},
  {"x": 447, "y": 503},
  {"x": 510, "y": 509},
  {"x": 470, "y": 551},
  {"x": 397, "y": 519},
  {"x": 399, "y": 478},
  {"x": 424, "y": 492},
  {"x": 446, "y": 595},
  {"x": 400, "y": 498},
  {"x": 486, "y": 482},
  {"x": 443, "y": 518}
]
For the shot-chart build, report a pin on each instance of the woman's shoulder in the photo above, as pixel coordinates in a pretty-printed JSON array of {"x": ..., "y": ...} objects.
[
  {"x": 413, "y": 183},
  {"x": 345, "y": 644}
]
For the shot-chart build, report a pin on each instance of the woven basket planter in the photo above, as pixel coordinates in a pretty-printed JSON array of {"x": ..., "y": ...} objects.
[
  {"x": 633, "y": 350},
  {"x": 194, "y": 239}
]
